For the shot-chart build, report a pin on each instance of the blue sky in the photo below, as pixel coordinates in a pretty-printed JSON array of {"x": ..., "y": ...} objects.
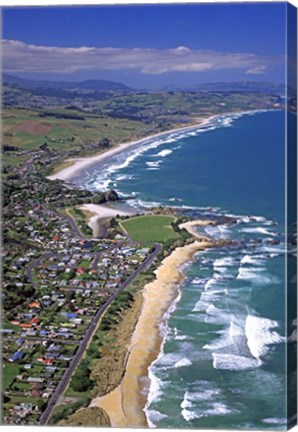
[{"x": 147, "y": 45}]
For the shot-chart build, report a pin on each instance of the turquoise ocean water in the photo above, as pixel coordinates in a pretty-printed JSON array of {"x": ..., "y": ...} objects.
[{"x": 222, "y": 363}]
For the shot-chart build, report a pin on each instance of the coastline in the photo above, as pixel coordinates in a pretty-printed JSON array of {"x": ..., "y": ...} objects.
[
  {"x": 69, "y": 172},
  {"x": 97, "y": 213},
  {"x": 77, "y": 164},
  {"x": 189, "y": 226},
  {"x": 125, "y": 405}
]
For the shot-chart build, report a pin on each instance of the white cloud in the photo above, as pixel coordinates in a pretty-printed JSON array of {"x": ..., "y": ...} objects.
[
  {"x": 21, "y": 57},
  {"x": 257, "y": 70}
]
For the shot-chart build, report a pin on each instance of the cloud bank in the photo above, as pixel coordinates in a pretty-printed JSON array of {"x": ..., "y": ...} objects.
[{"x": 21, "y": 57}]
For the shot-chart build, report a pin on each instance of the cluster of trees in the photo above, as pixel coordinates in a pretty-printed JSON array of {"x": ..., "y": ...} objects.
[
  {"x": 104, "y": 143},
  {"x": 13, "y": 295},
  {"x": 182, "y": 232},
  {"x": 113, "y": 314},
  {"x": 61, "y": 115},
  {"x": 7, "y": 147},
  {"x": 81, "y": 381}
]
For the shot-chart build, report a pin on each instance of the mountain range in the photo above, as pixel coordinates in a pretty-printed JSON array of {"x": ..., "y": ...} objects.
[{"x": 112, "y": 86}]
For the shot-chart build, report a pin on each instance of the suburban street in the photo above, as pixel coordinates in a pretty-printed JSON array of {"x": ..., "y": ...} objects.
[{"x": 89, "y": 333}]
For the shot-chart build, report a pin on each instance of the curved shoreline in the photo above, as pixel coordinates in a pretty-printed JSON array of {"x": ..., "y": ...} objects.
[
  {"x": 100, "y": 212},
  {"x": 80, "y": 163},
  {"x": 68, "y": 173},
  {"x": 125, "y": 405}
]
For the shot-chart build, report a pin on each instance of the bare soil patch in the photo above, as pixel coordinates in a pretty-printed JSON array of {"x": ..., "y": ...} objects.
[{"x": 34, "y": 127}]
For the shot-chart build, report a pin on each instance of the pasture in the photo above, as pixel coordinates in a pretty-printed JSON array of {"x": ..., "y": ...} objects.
[{"x": 153, "y": 228}]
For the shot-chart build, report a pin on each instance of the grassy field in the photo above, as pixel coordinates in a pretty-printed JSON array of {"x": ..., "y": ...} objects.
[
  {"x": 25, "y": 129},
  {"x": 120, "y": 118},
  {"x": 156, "y": 228},
  {"x": 9, "y": 372}
]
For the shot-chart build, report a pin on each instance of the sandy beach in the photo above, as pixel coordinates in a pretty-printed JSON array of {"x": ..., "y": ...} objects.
[
  {"x": 125, "y": 405},
  {"x": 66, "y": 174},
  {"x": 99, "y": 212},
  {"x": 190, "y": 227}
]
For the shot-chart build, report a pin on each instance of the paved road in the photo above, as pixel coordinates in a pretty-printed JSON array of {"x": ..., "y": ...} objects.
[
  {"x": 96, "y": 260},
  {"x": 73, "y": 225},
  {"x": 36, "y": 263},
  {"x": 83, "y": 345}
]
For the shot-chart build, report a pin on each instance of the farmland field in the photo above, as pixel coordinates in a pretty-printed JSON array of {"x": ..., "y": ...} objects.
[{"x": 155, "y": 228}]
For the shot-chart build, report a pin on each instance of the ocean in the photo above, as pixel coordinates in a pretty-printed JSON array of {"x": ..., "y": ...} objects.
[{"x": 222, "y": 364}]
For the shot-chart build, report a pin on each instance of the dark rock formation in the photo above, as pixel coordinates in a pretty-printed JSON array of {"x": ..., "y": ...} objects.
[{"x": 111, "y": 195}]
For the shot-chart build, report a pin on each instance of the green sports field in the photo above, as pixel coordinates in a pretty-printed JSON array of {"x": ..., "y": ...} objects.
[{"x": 156, "y": 228}]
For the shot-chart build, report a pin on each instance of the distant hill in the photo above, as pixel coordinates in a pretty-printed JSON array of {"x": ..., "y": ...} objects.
[
  {"x": 96, "y": 85},
  {"x": 237, "y": 86},
  {"x": 112, "y": 86}
]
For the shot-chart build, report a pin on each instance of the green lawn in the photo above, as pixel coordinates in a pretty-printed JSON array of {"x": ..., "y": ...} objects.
[
  {"x": 155, "y": 228},
  {"x": 9, "y": 372}
]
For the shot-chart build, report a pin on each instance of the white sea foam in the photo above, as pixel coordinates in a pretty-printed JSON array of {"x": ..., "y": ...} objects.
[
  {"x": 224, "y": 262},
  {"x": 155, "y": 390},
  {"x": 188, "y": 415},
  {"x": 255, "y": 259},
  {"x": 183, "y": 337},
  {"x": 186, "y": 403},
  {"x": 147, "y": 204},
  {"x": 215, "y": 315},
  {"x": 258, "y": 230},
  {"x": 196, "y": 281},
  {"x": 222, "y": 268},
  {"x": 154, "y": 164},
  {"x": 248, "y": 219},
  {"x": 205, "y": 391},
  {"x": 274, "y": 420},
  {"x": 124, "y": 177},
  {"x": 206, "y": 299},
  {"x": 175, "y": 199},
  {"x": 277, "y": 249},
  {"x": 183, "y": 362},
  {"x": 234, "y": 362},
  {"x": 256, "y": 275},
  {"x": 214, "y": 281},
  {"x": 259, "y": 334},
  {"x": 218, "y": 409},
  {"x": 125, "y": 159},
  {"x": 153, "y": 417},
  {"x": 214, "y": 409},
  {"x": 164, "y": 153},
  {"x": 231, "y": 337},
  {"x": 217, "y": 232}
]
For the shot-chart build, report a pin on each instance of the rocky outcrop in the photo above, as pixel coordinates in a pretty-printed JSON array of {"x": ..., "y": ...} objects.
[{"x": 111, "y": 195}]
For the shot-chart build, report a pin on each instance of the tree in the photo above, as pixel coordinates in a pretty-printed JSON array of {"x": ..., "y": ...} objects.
[
  {"x": 81, "y": 380},
  {"x": 104, "y": 143}
]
